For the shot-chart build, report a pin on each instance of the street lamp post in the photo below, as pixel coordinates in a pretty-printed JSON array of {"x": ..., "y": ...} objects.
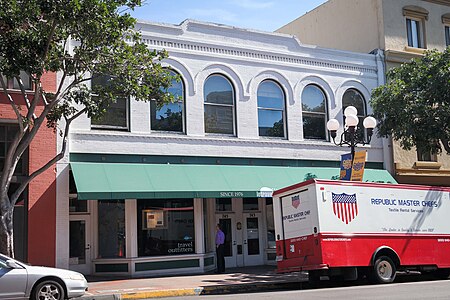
[{"x": 351, "y": 137}]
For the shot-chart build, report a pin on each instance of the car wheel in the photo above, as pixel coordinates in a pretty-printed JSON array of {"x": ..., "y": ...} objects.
[
  {"x": 48, "y": 290},
  {"x": 383, "y": 270}
]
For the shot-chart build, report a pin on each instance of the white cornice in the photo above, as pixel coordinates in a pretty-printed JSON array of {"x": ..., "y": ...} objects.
[
  {"x": 226, "y": 41},
  {"x": 440, "y": 2},
  {"x": 248, "y": 54},
  {"x": 211, "y": 139}
]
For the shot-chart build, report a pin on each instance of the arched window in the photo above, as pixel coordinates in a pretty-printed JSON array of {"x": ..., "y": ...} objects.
[
  {"x": 355, "y": 98},
  {"x": 314, "y": 113},
  {"x": 169, "y": 116},
  {"x": 219, "y": 105},
  {"x": 271, "y": 109}
]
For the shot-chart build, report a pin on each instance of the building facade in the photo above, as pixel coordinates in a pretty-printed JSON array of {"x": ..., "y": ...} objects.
[
  {"x": 140, "y": 191},
  {"x": 404, "y": 29}
]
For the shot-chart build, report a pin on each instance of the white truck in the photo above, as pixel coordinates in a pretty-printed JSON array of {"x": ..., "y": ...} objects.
[{"x": 344, "y": 229}]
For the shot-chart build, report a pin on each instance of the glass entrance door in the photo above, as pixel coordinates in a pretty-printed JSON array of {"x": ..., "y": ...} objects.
[
  {"x": 252, "y": 239},
  {"x": 80, "y": 244},
  {"x": 228, "y": 226},
  {"x": 243, "y": 230}
]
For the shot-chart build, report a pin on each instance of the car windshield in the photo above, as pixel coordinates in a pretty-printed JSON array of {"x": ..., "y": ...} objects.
[{"x": 4, "y": 258}]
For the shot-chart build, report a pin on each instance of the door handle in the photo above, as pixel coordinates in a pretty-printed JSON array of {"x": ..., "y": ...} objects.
[
  {"x": 245, "y": 242},
  {"x": 88, "y": 246},
  {"x": 234, "y": 243}
]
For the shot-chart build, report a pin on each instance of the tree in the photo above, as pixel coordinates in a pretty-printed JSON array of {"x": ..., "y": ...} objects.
[
  {"x": 34, "y": 38},
  {"x": 414, "y": 105}
]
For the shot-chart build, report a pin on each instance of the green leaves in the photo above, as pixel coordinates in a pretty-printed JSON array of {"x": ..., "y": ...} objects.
[
  {"x": 414, "y": 105},
  {"x": 37, "y": 36}
]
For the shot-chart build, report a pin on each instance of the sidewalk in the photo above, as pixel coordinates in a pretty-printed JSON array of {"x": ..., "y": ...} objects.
[{"x": 261, "y": 278}]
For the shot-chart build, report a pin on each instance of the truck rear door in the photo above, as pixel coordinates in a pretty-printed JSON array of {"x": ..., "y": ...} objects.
[{"x": 297, "y": 225}]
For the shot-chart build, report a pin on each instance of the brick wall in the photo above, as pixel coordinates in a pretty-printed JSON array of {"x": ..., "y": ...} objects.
[{"x": 42, "y": 190}]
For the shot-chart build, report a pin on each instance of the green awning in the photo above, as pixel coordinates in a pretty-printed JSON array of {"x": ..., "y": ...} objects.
[{"x": 157, "y": 181}]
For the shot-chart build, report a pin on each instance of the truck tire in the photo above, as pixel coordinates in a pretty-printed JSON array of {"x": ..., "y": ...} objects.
[
  {"x": 383, "y": 270},
  {"x": 313, "y": 277},
  {"x": 442, "y": 273}
]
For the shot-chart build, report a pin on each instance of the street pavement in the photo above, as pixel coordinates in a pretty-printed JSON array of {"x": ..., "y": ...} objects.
[{"x": 249, "y": 279}]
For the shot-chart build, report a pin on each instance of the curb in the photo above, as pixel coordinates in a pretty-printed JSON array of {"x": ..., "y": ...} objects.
[
  {"x": 250, "y": 288},
  {"x": 198, "y": 291},
  {"x": 163, "y": 293}
]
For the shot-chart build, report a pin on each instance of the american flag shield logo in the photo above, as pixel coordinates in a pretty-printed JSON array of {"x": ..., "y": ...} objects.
[
  {"x": 345, "y": 207},
  {"x": 296, "y": 201}
]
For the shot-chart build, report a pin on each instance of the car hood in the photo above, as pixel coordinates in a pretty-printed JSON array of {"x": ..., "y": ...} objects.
[{"x": 65, "y": 274}]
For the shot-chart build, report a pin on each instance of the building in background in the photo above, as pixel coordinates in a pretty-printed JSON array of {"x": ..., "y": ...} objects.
[
  {"x": 141, "y": 190},
  {"x": 404, "y": 29},
  {"x": 35, "y": 213}
]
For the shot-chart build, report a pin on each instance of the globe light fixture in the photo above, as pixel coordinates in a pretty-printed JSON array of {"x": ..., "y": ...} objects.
[{"x": 350, "y": 136}]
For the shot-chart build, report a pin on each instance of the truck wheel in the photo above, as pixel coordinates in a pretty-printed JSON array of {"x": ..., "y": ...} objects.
[
  {"x": 441, "y": 273},
  {"x": 313, "y": 277},
  {"x": 383, "y": 270}
]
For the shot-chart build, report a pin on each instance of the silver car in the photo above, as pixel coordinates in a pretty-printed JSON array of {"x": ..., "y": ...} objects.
[{"x": 21, "y": 281}]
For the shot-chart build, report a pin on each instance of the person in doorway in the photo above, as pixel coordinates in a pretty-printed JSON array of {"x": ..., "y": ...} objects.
[{"x": 220, "y": 249}]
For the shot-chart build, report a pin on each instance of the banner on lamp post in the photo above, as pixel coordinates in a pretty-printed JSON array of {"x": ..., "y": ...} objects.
[
  {"x": 359, "y": 161},
  {"x": 346, "y": 166}
]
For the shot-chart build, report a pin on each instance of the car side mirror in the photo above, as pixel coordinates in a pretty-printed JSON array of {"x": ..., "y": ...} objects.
[{"x": 12, "y": 264}]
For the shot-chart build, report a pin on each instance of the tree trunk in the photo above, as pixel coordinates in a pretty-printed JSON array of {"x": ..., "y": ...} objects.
[{"x": 6, "y": 231}]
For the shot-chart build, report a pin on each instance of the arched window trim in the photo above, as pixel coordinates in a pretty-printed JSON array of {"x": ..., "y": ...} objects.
[
  {"x": 364, "y": 102},
  {"x": 415, "y": 12},
  {"x": 325, "y": 113},
  {"x": 233, "y": 105},
  {"x": 283, "y": 109},
  {"x": 183, "y": 98}
]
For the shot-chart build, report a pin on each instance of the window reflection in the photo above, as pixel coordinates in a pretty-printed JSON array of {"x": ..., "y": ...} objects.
[
  {"x": 270, "y": 110},
  {"x": 250, "y": 204},
  {"x": 223, "y": 204},
  {"x": 314, "y": 113},
  {"x": 354, "y": 98},
  {"x": 116, "y": 115},
  {"x": 447, "y": 36},
  {"x": 414, "y": 33},
  {"x": 111, "y": 228},
  {"x": 7, "y": 134},
  {"x": 165, "y": 227},
  {"x": 169, "y": 116},
  {"x": 270, "y": 224},
  {"x": 219, "y": 105}
]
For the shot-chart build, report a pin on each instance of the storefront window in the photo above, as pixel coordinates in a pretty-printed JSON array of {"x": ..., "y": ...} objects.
[
  {"x": 270, "y": 224},
  {"x": 223, "y": 204},
  {"x": 75, "y": 205},
  {"x": 250, "y": 204},
  {"x": 111, "y": 228},
  {"x": 165, "y": 227}
]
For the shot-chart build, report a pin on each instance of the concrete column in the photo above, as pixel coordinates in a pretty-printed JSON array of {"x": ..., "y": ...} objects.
[
  {"x": 198, "y": 225},
  {"x": 130, "y": 228}
]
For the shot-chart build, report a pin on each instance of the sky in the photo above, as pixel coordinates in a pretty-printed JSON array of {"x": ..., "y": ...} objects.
[{"x": 266, "y": 15}]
